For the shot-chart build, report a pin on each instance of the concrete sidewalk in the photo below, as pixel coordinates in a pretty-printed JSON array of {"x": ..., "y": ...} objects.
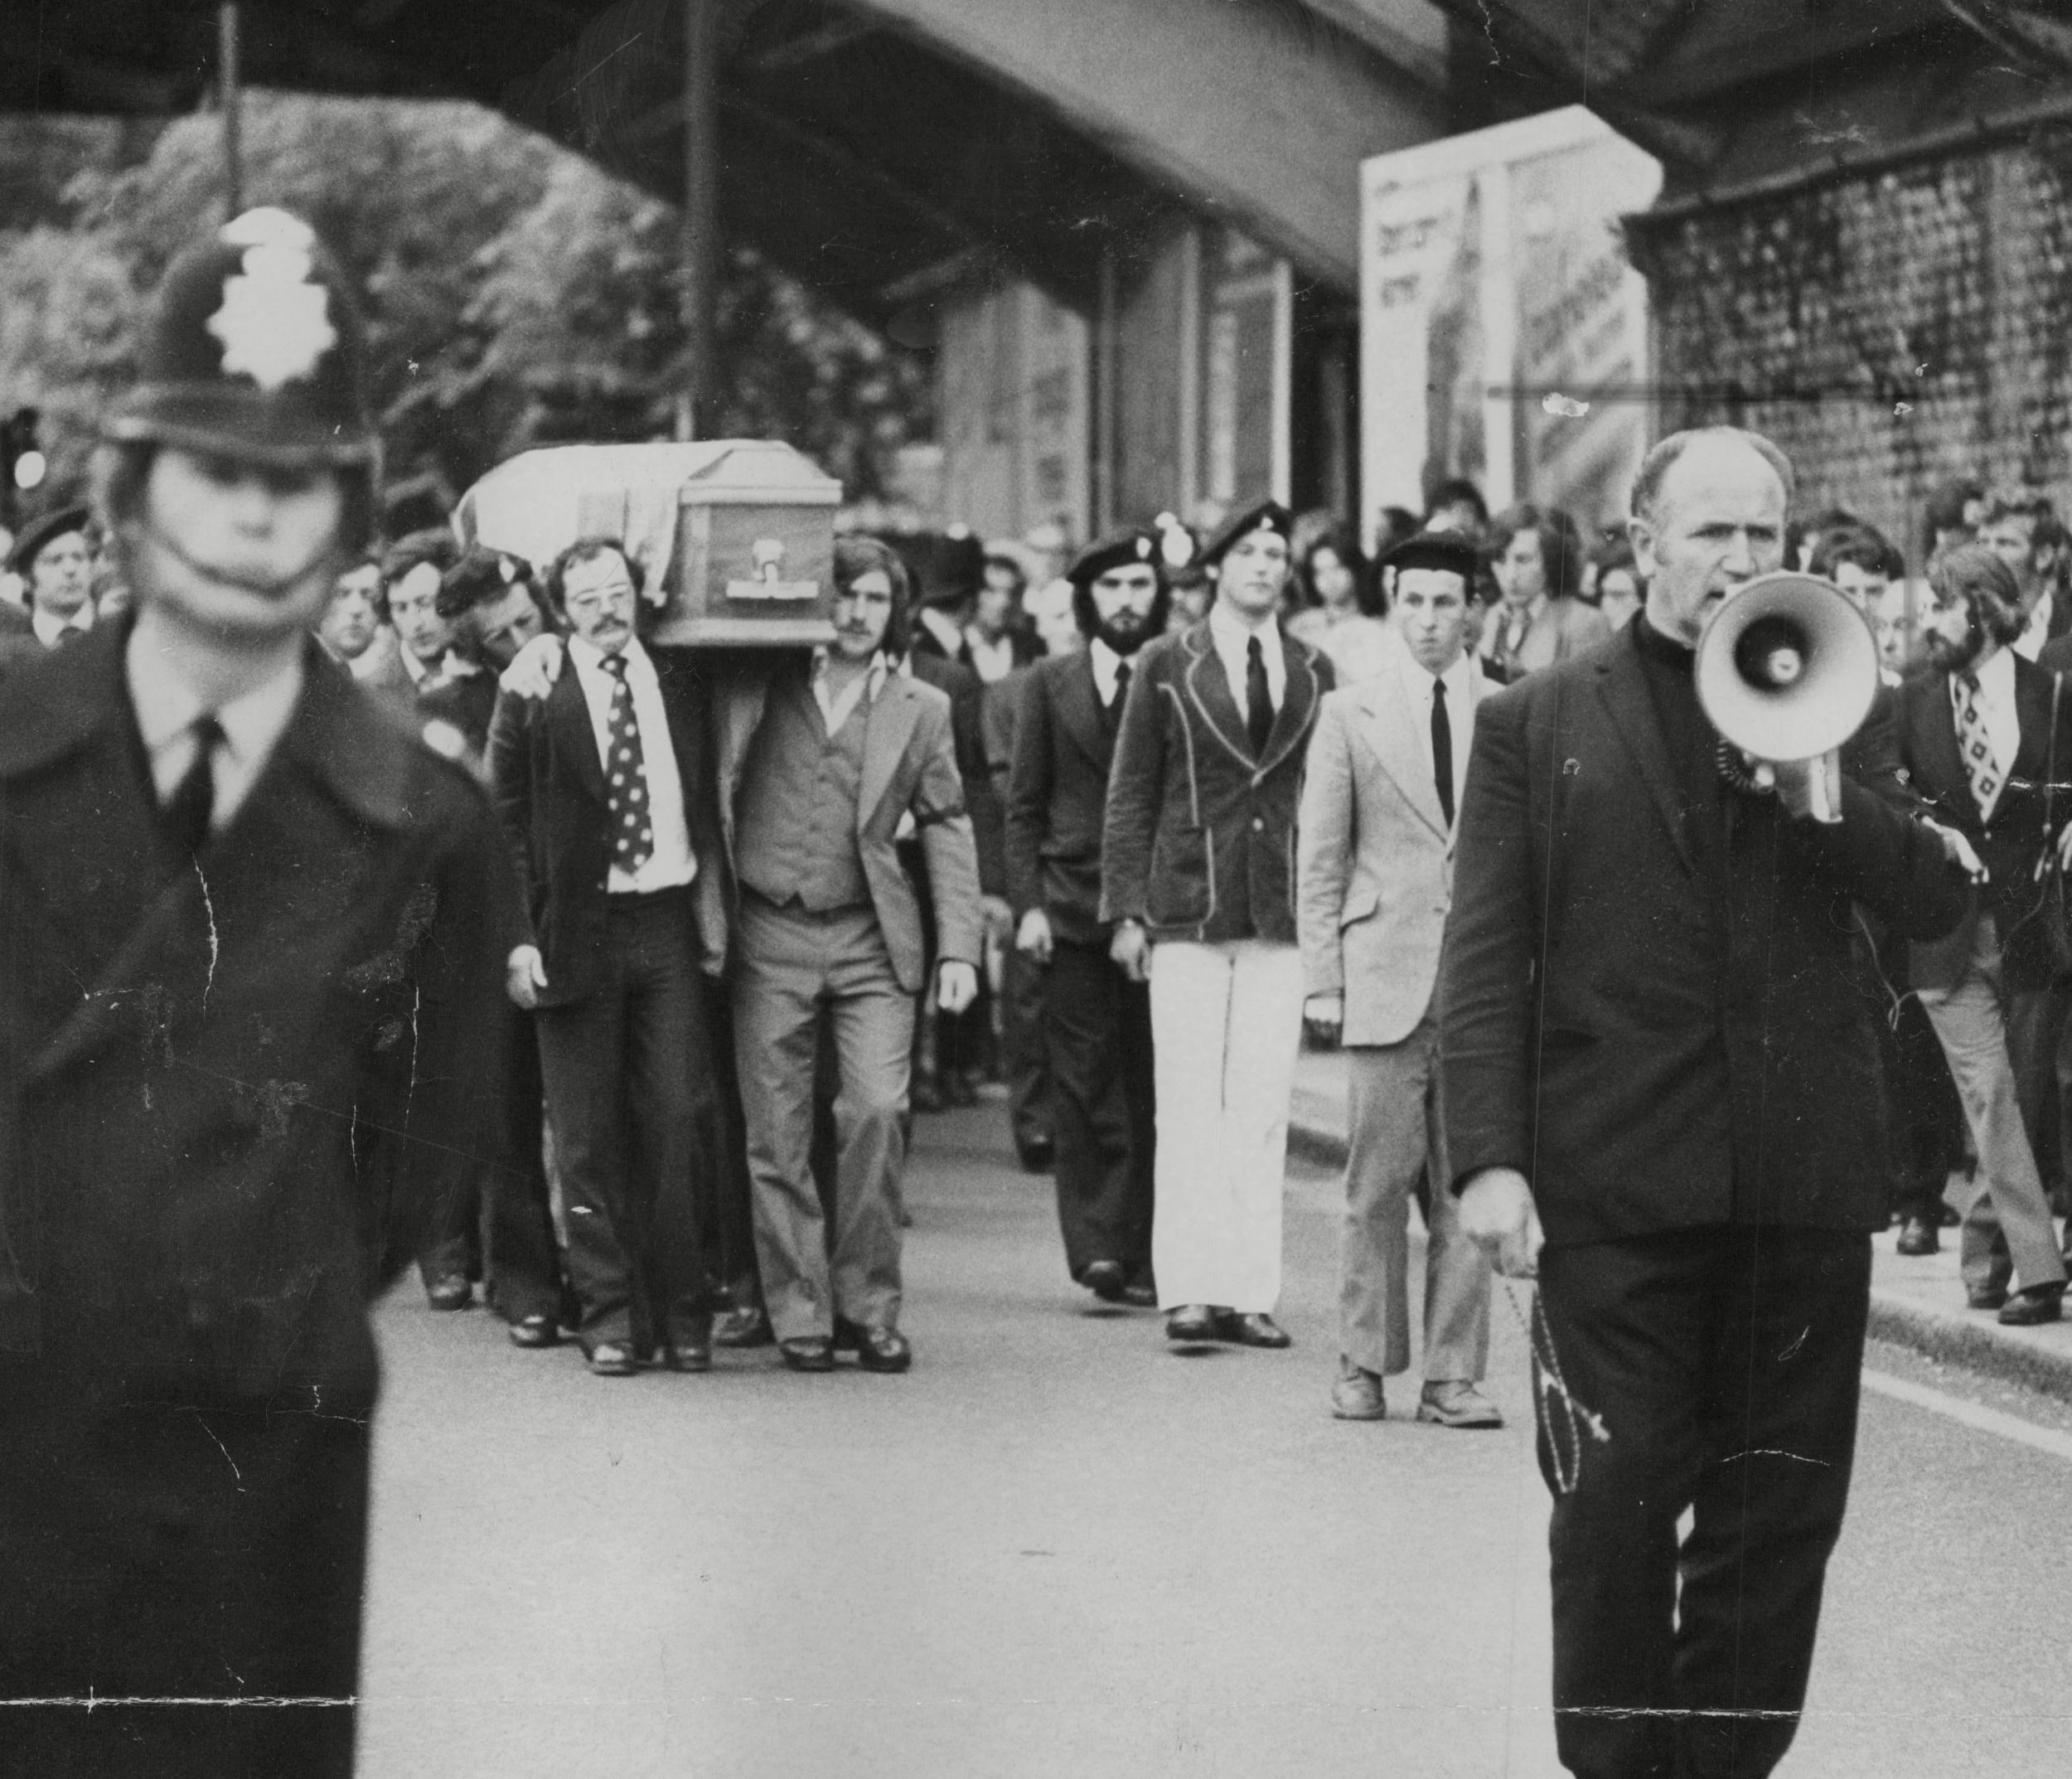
[{"x": 1914, "y": 1303}]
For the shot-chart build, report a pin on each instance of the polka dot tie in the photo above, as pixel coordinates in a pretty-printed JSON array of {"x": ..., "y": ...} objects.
[{"x": 625, "y": 776}]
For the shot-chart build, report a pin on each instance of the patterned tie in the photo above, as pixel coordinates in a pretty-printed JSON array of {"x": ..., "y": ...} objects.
[
  {"x": 632, "y": 828},
  {"x": 1258, "y": 699},
  {"x": 1442, "y": 749},
  {"x": 1976, "y": 744}
]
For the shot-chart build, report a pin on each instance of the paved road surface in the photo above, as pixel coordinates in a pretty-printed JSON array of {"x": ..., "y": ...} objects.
[{"x": 1057, "y": 1548}]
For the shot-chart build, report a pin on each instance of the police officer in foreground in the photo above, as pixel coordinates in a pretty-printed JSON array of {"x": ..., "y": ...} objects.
[{"x": 228, "y": 882}]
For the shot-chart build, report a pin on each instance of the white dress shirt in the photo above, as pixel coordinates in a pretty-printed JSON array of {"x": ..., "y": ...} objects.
[
  {"x": 1233, "y": 637},
  {"x": 50, "y": 629},
  {"x": 1996, "y": 700},
  {"x": 2037, "y": 631},
  {"x": 166, "y": 708},
  {"x": 671, "y": 865},
  {"x": 1417, "y": 685},
  {"x": 837, "y": 707},
  {"x": 991, "y": 661}
]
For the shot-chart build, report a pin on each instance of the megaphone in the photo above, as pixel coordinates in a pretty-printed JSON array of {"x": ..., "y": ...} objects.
[{"x": 1787, "y": 669}]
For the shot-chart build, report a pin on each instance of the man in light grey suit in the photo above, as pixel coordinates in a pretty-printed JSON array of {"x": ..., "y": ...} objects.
[
  {"x": 1386, "y": 772},
  {"x": 821, "y": 766}
]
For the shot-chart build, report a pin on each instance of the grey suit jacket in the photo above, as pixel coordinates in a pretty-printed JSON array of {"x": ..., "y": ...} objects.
[
  {"x": 1561, "y": 630},
  {"x": 1376, "y": 855},
  {"x": 910, "y": 769}
]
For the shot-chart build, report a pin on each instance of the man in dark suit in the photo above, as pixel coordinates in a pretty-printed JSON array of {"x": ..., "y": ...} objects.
[
  {"x": 1976, "y": 740},
  {"x": 1652, "y": 1047},
  {"x": 55, "y": 563},
  {"x": 228, "y": 881},
  {"x": 490, "y": 600},
  {"x": 606, "y": 795},
  {"x": 1097, "y": 1021},
  {"x": 1197, "y": 878}
]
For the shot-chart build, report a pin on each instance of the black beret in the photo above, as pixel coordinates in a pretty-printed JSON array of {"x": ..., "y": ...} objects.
[
  {"x": 1124, "y": 549},
  {"x": 1262, "y": 516},
  {"x": 57, "y": 523},
  {"x": 1453, "y": 552}
]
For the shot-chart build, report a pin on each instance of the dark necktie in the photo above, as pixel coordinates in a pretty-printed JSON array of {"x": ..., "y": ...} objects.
[
  {"x": 632, "y": 826},
  {"x": 190, "y": 809},
  {"x": 1442, "y": 749},
  {"x": 1121, "y": 690},
  {"x": 69, "y": 635},
  {"x": 1258, "y": 699}
]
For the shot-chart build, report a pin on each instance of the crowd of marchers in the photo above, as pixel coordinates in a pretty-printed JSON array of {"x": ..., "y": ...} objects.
[{"x": 1277, "y": 861}]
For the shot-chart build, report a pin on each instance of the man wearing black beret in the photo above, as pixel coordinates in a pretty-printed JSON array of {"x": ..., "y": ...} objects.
[
  {"x": 1197, "y": 875},
  {"x": 1097, "y": 1018}
]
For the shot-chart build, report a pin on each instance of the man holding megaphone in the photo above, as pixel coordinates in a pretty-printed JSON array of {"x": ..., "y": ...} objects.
[{"x": 1660, "y": 1086}]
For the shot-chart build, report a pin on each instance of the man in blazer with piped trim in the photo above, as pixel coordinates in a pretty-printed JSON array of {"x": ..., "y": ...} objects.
[{"x": 1198, "y": 876}]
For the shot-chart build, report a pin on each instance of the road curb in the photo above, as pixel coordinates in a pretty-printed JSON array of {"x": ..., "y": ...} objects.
[
  {"x": 1982, "y": 1348},
  {"x": 1948, "y": 1337}
]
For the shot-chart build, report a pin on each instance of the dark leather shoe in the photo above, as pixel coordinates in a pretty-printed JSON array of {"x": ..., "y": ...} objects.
[
  {"x": 450, "y": 1291},
  {"x": 960, "y": 1089},
  {"x": 749, "y": 1326},
  {"x": 1918, "y": 1236},
  {"x": 612, "y": 1358},
  {"x": 807, "y": 1353},
  {"x": 1987, "y": 1298},
  {"x": 926, "y": 1093},
  {"x": 1190, "y": 1323},
  {"x": 1105, "y": 1279},
  {"x": 1251, "y": 1328},
  {"x": 2038, "y": 1304},
  {"x": 535, "y": 1330},
  {"x": 688, "y": 1356},
  {"x": 883, "y": 1349},
  {"x": 1038, "y": 1155},
  {"x": 1144, "y": 1297}
]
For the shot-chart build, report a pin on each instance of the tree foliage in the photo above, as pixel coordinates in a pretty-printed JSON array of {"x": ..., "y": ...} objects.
[{"x": 514, "y": 293}]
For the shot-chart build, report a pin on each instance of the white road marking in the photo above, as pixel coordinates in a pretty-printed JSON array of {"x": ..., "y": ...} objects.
[{"x": 1971, "y": 1413}]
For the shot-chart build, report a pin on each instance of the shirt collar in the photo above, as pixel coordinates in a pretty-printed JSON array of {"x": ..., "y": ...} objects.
[
  {"x": 874, "y": 679},
  {"x": 166, "y": 705},
  {"x": 1417, "y": 678},
  {"x": 1231, "y": 632},
  {"x": 1996, "y": 678},
  {"x": 590, "y": 658},
  {"x": 49, "y": 629}
]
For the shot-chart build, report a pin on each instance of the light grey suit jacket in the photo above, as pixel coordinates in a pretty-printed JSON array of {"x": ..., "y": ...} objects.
[
  {"x": 1375, "y": 856},
  {"x": 910, "y": 770}
]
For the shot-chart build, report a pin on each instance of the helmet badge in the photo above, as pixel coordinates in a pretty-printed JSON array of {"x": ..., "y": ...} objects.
[{"x": 274, "y": 323}]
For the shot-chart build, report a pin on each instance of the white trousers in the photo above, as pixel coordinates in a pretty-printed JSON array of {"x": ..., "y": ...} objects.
[{"x": 1226, "y": 1025}]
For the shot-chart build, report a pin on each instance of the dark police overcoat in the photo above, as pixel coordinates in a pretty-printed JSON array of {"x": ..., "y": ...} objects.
[{"x": 231, "y": 1089}]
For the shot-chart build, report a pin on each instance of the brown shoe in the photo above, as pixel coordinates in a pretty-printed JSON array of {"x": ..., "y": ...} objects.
[{"x": 1356, "y": 1395}]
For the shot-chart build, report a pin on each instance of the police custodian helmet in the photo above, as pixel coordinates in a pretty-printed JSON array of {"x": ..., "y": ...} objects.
[{"x": 252, "y": 350}]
